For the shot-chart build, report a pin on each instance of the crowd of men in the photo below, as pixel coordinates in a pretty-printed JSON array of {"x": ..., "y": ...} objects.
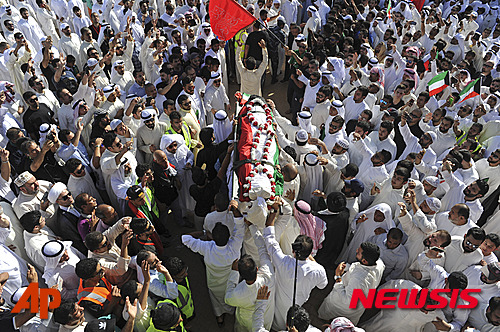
[{"x": 116, "y": 128}]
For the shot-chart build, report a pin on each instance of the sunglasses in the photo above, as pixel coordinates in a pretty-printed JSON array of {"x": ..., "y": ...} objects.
[
  {"x": 468, "y": 243},
  {"x": 32, "y": 100},
  {"x": 66, "y": 197}
]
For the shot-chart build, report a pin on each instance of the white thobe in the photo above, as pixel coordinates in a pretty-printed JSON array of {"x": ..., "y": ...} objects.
[
  {"x": 65, "y": 272},
  {"x": 355, "y": 150},
  {"x": 31, "y": 31},
  {"x": 491, "y": 172},
  {"x": 320, "y": 114},
  {"x": 310, "y": 92},
  {"x": 456, "y": 195},
  {"x": 387, "y": 144},
  {"x": 442, "y": 222},
  {"x": 417, "y": 227},
  {"x": 473, "y": 274},
  {"x": 412, "y": 145},
  {"x": 309, "y": 275},
  {"x": 224, "y": 217},
  {"x": 218, "y": 261},
  {"x": 124, "y": 81},
  {"x": 26, "y": 203},
  {"x": 408, "y": 320},
  {"x": 108, "y": 167},
  {"x": 389, "y": 195},
  {"x": 332, "y": 180},
  {"x": 443, "y": 141},
  {"x": 83, "y": 184},
  {"x": 147, "y": 137},
  {"x": 70, "y": 45},
  {"x": 34, "y": 243},
  {"x": 353, "y": 109},
  {"x": 17, "y": 269},
  {"x": 394, "y": 260},
  {"x": 243, "y": 296},
  {"x": 457, "y": 259},
  {"x": 358, "y": 276},
  {"x": 215, "y": 98}
]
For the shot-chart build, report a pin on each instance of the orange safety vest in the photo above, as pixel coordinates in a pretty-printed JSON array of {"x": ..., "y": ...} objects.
[{"x": 98, "y": 294}]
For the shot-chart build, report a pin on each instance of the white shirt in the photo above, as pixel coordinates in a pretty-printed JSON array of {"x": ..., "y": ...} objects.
[
  {"x": 353, "y": 109},
  {"x": 309, "y": 275},
  {"x": 443, "y": 222},
  {"x": 394, "y": 260},
  {"x": 457, "y": 259},
  {"x": 358, "y": 276}
]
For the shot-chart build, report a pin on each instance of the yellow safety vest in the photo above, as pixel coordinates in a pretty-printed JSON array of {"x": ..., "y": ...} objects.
[
  {"x": 186, "y": 133},
  {"x": 152, "y": 328}
]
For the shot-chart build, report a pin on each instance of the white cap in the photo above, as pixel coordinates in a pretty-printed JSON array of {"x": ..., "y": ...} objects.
[
  {"x": 433, "y": 203},
  {"x": 92, "y": 62},
  {"x": 343, "y": 143},
  {"x": 432, "y": 180},
  {"x": 63, "y": 26},
  {"x": 23, "y": 178},
  {"x": 115, "y": 123},
  {"x": 55, "y": 191},
  {"x": 43, "y": 38}
]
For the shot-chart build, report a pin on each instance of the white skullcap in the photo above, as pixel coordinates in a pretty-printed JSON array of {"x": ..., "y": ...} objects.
[
  {"x": 146, "y": 114},
  {"x": 311, "y": 159},
  {"x": 433, "y": 136},
  {"x": 300, "y": 37},
  {"x": 220, "y": 115},
  {"x": 44, "y": 128},
  {"x": 63, "y": 26},
  {"x": 115, "y": 123},
  {"x": 305, "y": 114},
  {"x": 337, "y": 103},
  {"x": 301, "y": 136},
  {"x": 474, "y": 14},
  {"x": 55, "y": 191},
  {"x": 433, "y": 203},
  {"x": 52, "y": 248},
  {"x": 43, "y": 38},
  {"x": 92, "y": 62},
  {"x": 432, "y": 180},
  {"x": 23, "y": 178},
  {"x": 340, "y": 324},
  {"x": 343, "y": 143}
]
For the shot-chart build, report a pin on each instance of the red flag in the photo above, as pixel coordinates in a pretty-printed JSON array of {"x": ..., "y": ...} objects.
[
  {"x": 227, "y": 17},
  {"x": 419, "y": 4}
]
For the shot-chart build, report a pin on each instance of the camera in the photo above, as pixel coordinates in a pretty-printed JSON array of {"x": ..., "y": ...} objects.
[
  {"x": 51, "y": 136},
  {"x": 148, "y": 101}
]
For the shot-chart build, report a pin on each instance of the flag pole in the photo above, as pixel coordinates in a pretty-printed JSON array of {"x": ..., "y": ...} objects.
[{"x": 272, "y": 33}]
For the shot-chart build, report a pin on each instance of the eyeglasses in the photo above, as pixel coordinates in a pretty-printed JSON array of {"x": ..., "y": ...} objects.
[
  {"x": 383, "y": 102},
  {"x": 320, "y": 95},
  {"x": 334, "y": 126},
  {"x": 32, "y": 100},
  {"x": 468, "y": 243},
  {"x": 302, "y": 47},
  {"x": 66, "y": 197},
  {"x": 149, "y": 121}
]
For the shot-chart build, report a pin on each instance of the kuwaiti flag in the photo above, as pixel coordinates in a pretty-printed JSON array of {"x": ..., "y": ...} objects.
[
  {"x": 471, "y": 90},
  {"x": 439, "y": 83},
  {"x": 247, "y": 133}
]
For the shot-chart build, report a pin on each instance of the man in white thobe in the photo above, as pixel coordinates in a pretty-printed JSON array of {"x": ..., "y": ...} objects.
[
  {"x": 243, "y": 295},
  {"x": 30, "y": 29},
  {"x": 365, "y": 274},
  {"x": 70, "y": 42},
  {"x": 392, "y": 253},
  {"x": 35, "y": 234},
  {"x": 309, "y": 274},
  {"x": 456, "y": 221},
  {"x": 219, "y": 254},
  {"x": 464, "y": 251}
]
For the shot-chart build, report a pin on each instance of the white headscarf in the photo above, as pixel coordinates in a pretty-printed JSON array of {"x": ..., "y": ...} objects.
[
  {"x": 338, "y": 69},
  {"x": 179, "y": 157},
  {"x": 52, "y": 252},
  {"x": 120, "y": 183},
  {"x": 222, "y": 126}
]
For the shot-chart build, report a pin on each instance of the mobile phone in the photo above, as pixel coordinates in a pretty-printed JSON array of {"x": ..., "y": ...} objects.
[
  {"x": 437, "y": 249},
  {"x": 413, "y": 23}
]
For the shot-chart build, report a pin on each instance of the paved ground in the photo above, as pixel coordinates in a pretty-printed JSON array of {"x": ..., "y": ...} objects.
[{"x": 205, "y": 319}]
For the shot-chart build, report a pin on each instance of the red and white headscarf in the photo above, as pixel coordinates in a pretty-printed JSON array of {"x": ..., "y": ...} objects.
[{"x": 310, "y": 225}]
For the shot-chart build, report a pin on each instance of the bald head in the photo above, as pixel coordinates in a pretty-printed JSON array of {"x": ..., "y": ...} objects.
[
  {"x": 289, "y": 172},
  {"x": 160, "y": 157},
  {"x": 107, "y": 214}
]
